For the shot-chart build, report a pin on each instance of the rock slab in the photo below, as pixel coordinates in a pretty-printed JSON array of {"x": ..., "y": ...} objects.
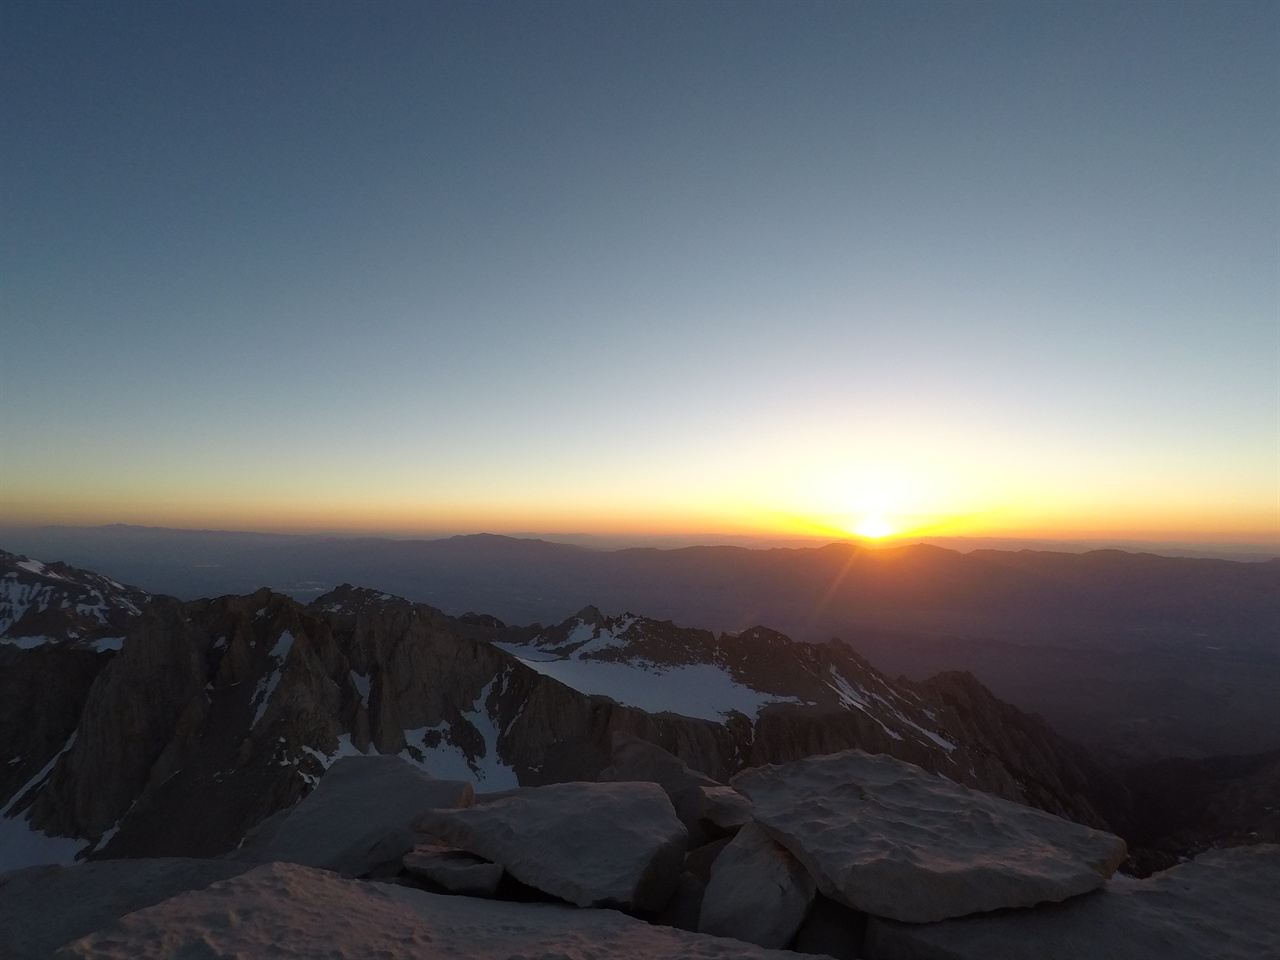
[
  {"x": 41, "y": 908},
  {"x": 616, "y": 844},
  {"x": 359, "y": 816},
  {"x": 890, "y": 839},
  {"x": 455, "y": 870},
  {"x": 287, "y": 911},
  {"x": 1221, "y": 905},
  {"x": 722, "y": 811},
  {"x": 635, "y": 759},
  {"x": 759, "y": 892}
]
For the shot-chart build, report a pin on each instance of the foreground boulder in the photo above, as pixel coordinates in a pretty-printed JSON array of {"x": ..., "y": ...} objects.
[
  {"x": 1221, "y": 905},
  {"x": 358, "y": 817},
  {"x": 43, "y": 907},
  {"x": 758, "y": 892},
  {"x": 616, "y": 844},
  {"x": 885, "y": 837},
  {"x": 638, "y": 760},
  {"x": 722, "y": 811},
  {"x": 456, "y": 870},
  {"x": 287, "y": 911}
]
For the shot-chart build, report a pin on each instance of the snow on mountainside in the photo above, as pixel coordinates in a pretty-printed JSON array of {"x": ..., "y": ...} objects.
[
  {"x": 624, "y": 659},
  {"x": 55, "y": 603},
  {"x": 659, "y": 667}
]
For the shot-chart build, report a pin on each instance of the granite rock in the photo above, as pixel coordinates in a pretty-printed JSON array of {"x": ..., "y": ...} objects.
[
  {"x": 722, "y": 811},
  {"x": 1220, "y": 905},
  {"x": 455, "y": 870},
  {"x": 634, "y": 759},
  {"x": 759, "y": 892},
  {"x": 43, "y": 907},
  {"x": 359, "y": 816},
  {"x": 288, "y": 911},
  {"x": 890, "y": 839},
  {"x": 617, "y": 844}
]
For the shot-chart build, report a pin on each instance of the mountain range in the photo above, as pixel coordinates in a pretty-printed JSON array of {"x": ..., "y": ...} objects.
[
  {"x": 199, "y": 719},
  {"x": 1138, "y": 656}
]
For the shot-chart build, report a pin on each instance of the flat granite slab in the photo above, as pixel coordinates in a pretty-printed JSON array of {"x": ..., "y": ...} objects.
[
  {"x": 893, "y": 840},
  {"x": 288, "y": 911},
  {"x": 43, "y": 907},
  {"x": 592, "y": 844},
  {"x": 1225, "y": 904},
  {"x": 358, "y": 816}
]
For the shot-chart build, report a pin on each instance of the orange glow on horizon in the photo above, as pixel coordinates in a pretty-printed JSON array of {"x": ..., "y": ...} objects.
[{"x": 402, "y": 516}]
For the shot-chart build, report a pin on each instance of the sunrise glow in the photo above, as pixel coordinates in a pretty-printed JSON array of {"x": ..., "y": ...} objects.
[{"x": 873, "y": 528}]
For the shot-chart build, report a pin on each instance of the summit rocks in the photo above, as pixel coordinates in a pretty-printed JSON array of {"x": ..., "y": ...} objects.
[
  {"x": 1221, "y": 905},
  {"x": 892, "y": 840},
  {"x": 293, "y": 911},
  {"x": 617, "y": 844},
  {"x": 359, "y": 816}
]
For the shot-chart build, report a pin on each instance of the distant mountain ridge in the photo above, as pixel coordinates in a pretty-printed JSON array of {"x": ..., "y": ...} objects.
[
  {"x": 809, "y": 591},
  {"x": 1139, "y": 655}
]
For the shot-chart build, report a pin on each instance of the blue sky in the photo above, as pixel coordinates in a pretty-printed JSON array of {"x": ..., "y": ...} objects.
[{"x": 990, "y": 268}]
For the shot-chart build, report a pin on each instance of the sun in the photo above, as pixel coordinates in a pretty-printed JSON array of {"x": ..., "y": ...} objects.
[{"x": 873, "y": 528}]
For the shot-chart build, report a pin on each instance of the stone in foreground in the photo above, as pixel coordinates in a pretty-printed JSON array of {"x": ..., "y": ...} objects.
[
  {"x": 455, "y": 870},
  {"x": 286, "y": 911},
  {"x": 634, "y": 759},
  {"x": 616, "y": 844},
  {"x": 1221, "y": 905},
  {"x": 359, "y": 816},
  {"x": 43, "y": 907},
  {"x": 722, "y": 811},
  {"x": 890, "y": 839},
  {"x": 758, "y": 892}
]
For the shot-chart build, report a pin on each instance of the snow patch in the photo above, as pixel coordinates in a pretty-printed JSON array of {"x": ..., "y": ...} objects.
[
  {"x": 699, "y": 690},
  {"x": 852, "y": 697},
  {"x": 21, "y": 845},
  {"x": 943, "y": 742},
  {"x": 592, "y": 639},
  {"x": 448, "y": 761},
  {"x": 27, "y": 643},
  {"x": 38, "y": 568},
  {"x": 362, "y": 687},
  {"x": 39, "y": 777},
  {"x": 283, "y": 646},
  {"x": 267, "y": 685}
]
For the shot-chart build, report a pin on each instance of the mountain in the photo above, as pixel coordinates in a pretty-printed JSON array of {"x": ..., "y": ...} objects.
[
  {"x": 1135, "y": 655},
  {"x": 60, "y": 605},
  {"x": 59, "y": 627},
  {"x": 215, "y": 714}
]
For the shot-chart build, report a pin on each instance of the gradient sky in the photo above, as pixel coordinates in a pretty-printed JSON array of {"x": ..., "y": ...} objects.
[{"x": 987, "y": 269}]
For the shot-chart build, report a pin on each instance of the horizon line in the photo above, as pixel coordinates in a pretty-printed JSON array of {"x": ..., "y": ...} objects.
[{"x": 619, "y": 541}]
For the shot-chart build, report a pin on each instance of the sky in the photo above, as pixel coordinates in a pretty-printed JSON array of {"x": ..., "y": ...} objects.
[{"x": 978, "y": 269}]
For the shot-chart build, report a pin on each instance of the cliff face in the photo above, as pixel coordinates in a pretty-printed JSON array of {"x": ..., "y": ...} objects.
[
  {"x": 59, "y": 627},
  {"x": 217, "y": 713}
]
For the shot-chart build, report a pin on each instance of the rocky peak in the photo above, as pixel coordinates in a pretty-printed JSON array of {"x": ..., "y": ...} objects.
[{"x": 56, "y": 603}]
